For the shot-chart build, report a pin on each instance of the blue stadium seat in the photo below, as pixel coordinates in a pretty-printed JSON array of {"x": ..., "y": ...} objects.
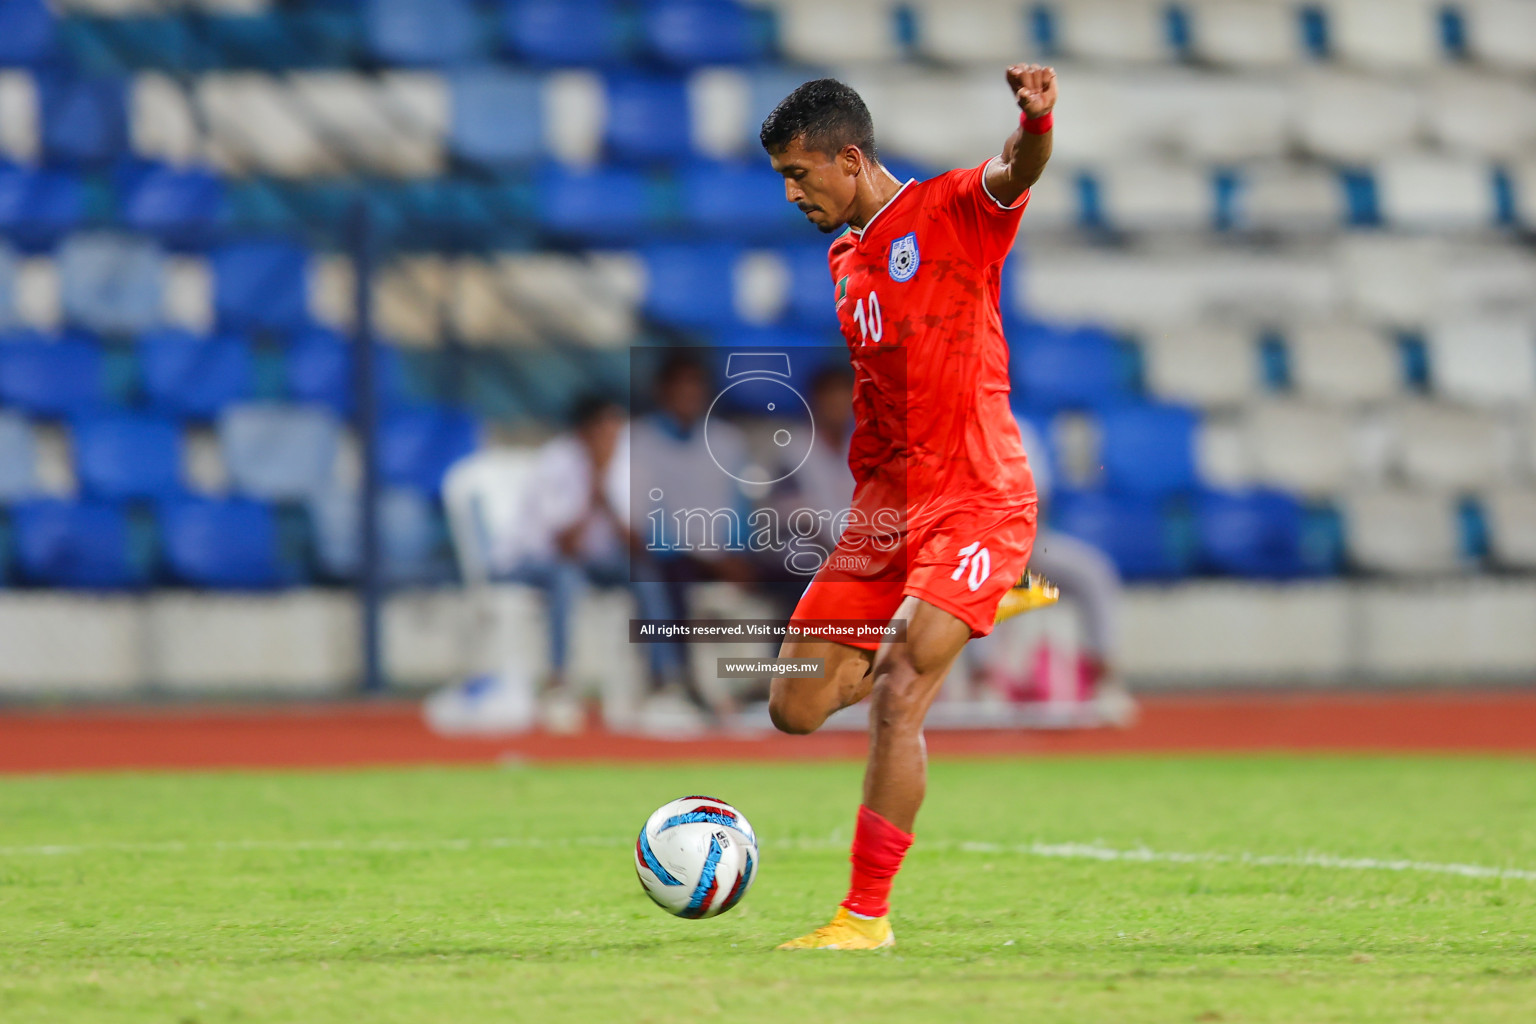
[
  {"x": 111, "y": 284},
  {"x": 739, "y": 201},
  {"x": 279, "y": 452},
  {"x": 1054, "y": 368},
  {"x": 416, "y": 446},
  {"x": 77, "y": 544},
  {"x": 498, "y": 117},
  {"x": 811, "y": 302},
  {"x": 1148, "y": 449},
  {"x": 261, "y": 286},
  {"x": 422, "y": 32},
  {"x": 608, "y": 204},
  {"x": 37, "y": 208},
  {"x": 231, "y": 544},
  {"x": 648, "y": 118},
  {"x": 319, "y": 370},
  {"x": 564, "y": 31},
  {"x": 18, "y": 458},
  {"x": 51, "y": 378},
  {"x": 183, "y": 208},
  {"x": 282, "y": 39},
  {"x": 1259, "y": 533},
  {"x": 1135, "y": 532},
  {"x": 688, "y": 32},
  {"x": 775, "y": 338},
  {"x": 26, "y": 32},
  {"x": 121, "y": 456},
  {"x": 186, "y": 375},
  {"x": 83, "y": 120},
  {"x": 112, "y": 45},
  {"x": 413, "y": 536},
  {"x": 690, "y": 285}
]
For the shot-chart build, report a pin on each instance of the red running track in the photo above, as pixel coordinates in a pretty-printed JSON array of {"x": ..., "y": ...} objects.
[{"x": 393, "y": 734}]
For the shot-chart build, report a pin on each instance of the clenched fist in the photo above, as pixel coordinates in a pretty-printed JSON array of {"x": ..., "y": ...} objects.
[{"x": 1034, "y": 87}]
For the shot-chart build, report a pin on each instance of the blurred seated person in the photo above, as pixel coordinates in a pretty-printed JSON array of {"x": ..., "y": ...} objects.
[
  {"x": 576, "y": 532},
  {"x": 689, "y": 511},
  {"x": 822, "y": 484}
]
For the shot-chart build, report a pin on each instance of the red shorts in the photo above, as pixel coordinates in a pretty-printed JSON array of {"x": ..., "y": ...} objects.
[{"x": 963, "y": 562}]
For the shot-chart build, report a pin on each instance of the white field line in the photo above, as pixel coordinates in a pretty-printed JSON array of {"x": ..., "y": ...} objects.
[{"x": 1064, "y": 851}]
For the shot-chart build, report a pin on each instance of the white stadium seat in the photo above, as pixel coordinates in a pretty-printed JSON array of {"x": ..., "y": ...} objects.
[
  {"x": 1511, "y": 516},
  {"x": 1500, "y": 33},
  {"x": 720, "y": 112},
  {"x": 1523, "y": 178},
  {"x": 1343, "y": 362},
  {"x": 1443, "y": 193},
  {"x": 1308, "y": 449},
  {"x": 590, "y": 299},
  {"x": 1222, "y": 455},
  {"x": 1113, "y": 30},
  {"x": 161, "y": 121},
  {"x": 1228, "y": 117},
  {"x": 1147, "y": 197},
  {"x": 1490, "y": 279},
  {"x": 39, "y": 293},
  {"x": 1482, "y": 114},
  {"x": 1202, "y": 365},
  {"x": 1054, "y": 201},
  {"x": 761, "y": 284},
  {"x": 1095, "y": 120},
  {"x": 394, "y": 124},
  {"x": 1484, "y": 360},
  {"x": 482, "y": 312},
  {"x": 1287, "y": 198},
  {"x": 1385, "y": 35},
  {"x": 856, "y": 31},
  {"x": 1402, "y": 532},
  {"x": 1408, "y": 281},
  {"x": 942, "y": 120},
  {"x": 1391, "y": 279},
  {"x": 18, "y": 116},
  {"x": 409, "y": 296},
  {"x": 973, "y": 31},
  {"x": 575, "y": 114},
  {"x": 1135, "y": 289},
  {"x": 1446, "y": 447},
  {"x": 1263, "y": 33},
  {"x": 253, "y": 127},
  {"x": 1354, "y": 118}
]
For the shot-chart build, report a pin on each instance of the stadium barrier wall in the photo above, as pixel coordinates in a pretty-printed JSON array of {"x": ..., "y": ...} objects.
[{"x": 302, "y": 643}]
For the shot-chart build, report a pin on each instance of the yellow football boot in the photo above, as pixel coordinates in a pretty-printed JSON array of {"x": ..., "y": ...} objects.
[
  {"x": 1029, "y": 593},
  {"x": 848, "y": 932}
]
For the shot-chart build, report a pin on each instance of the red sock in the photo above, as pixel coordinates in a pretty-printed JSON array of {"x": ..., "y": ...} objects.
[{"x": 878, "y": 847}]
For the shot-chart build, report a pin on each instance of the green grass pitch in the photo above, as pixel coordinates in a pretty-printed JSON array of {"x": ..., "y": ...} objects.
[{"x": 507, "y": 894}]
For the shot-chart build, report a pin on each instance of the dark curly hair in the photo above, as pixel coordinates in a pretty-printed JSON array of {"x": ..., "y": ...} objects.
[{"x": 825, "y": 115}]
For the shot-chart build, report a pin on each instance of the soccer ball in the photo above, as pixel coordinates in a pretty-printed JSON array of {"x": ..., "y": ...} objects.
[{"x": 696, "y": 857}]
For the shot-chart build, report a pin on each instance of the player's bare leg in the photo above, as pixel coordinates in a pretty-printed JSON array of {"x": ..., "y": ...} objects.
[
  {"x": 801, "y": 704},
  {"x": 907, "y": 677}
]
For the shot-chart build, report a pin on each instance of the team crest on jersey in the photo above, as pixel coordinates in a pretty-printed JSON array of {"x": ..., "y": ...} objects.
[
  {"x": 904, "y": 257},
  {"x": 842, "y": 291}
]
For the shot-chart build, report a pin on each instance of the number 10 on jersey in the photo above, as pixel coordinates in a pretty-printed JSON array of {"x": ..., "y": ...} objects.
[{"x": 866, "y": 313}]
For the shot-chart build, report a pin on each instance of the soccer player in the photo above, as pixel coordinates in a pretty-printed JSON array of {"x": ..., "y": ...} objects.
[{"x": 915, "y": 278}]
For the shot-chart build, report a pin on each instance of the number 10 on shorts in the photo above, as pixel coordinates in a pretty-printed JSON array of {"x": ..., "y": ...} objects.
[{"x": 976, "y": 558}]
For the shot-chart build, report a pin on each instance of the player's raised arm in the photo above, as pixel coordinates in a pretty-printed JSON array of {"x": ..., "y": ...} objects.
[{"x": 1029, "y": 147}]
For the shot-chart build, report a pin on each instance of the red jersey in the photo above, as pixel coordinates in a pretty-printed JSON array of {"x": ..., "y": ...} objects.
[{"x": 917, "y": 298}]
